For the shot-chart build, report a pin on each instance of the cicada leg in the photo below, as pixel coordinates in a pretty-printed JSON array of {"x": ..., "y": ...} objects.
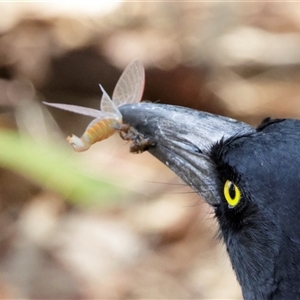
[
  {"x": 139, "y": 142},
  {"x": 141, "y": 145},
  {"x": 126, "y": 132}
]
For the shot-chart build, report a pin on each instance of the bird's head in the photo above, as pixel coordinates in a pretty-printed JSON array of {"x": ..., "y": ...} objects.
[{"x": 250, "y": 176}]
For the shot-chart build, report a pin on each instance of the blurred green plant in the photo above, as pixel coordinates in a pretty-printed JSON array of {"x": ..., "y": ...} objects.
[{"x": 53, "y": 168}]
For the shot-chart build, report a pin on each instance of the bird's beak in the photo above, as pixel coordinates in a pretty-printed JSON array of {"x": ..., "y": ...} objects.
[{"x": 183, "y": 138}]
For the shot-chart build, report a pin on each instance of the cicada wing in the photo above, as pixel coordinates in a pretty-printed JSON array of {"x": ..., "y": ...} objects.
[
  {"x": 108, "y": 106},
  {"x": 77, "y": 109},
  {"x": 130, "y": 86}
]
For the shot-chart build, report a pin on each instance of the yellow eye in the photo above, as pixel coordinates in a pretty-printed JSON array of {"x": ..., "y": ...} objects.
[{"x": 232, "y": 193}]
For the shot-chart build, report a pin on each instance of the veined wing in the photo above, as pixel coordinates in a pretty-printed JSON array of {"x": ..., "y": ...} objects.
[
  {"x": 91, "y": 112},
  {"x": 108, "y": 106},
  {"x": 130, "y": 86}
]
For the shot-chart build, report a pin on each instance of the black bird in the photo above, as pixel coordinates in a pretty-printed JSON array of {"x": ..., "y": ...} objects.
[{"x": 250, "y": 176}]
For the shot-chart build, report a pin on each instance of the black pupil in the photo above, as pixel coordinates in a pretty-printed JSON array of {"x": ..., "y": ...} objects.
[{"x": 232, "y": 190}]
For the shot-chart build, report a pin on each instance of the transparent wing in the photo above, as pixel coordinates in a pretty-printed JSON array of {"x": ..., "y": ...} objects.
[
  {"x": 108, "y": 106},
  {"x": 130, "y": 86},
  {"x": 83, "y": 110}
]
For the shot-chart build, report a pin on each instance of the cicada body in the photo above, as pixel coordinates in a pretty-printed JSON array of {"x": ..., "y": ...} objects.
[
  {"x": 108, "y": 119},
  {"x": 97, "y": 132}
]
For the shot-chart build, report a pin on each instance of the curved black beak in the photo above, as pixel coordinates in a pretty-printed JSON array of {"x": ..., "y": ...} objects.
[{"x": 183, "y": 138}]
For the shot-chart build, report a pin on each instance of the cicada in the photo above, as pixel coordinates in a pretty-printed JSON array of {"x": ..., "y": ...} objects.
[{"x": 108, "y": 120}]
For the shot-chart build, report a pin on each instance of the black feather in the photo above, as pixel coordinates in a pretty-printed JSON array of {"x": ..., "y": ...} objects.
[{"x": 262, "y": 233}]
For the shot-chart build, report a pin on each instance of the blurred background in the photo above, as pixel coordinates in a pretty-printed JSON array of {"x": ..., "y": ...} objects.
[{"x": 106, "y": 223}]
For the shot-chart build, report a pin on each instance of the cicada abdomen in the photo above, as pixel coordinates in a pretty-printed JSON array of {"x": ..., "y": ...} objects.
[
  {"x": 97, "y": 131},
  {"x": 129, "y": 89}
]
